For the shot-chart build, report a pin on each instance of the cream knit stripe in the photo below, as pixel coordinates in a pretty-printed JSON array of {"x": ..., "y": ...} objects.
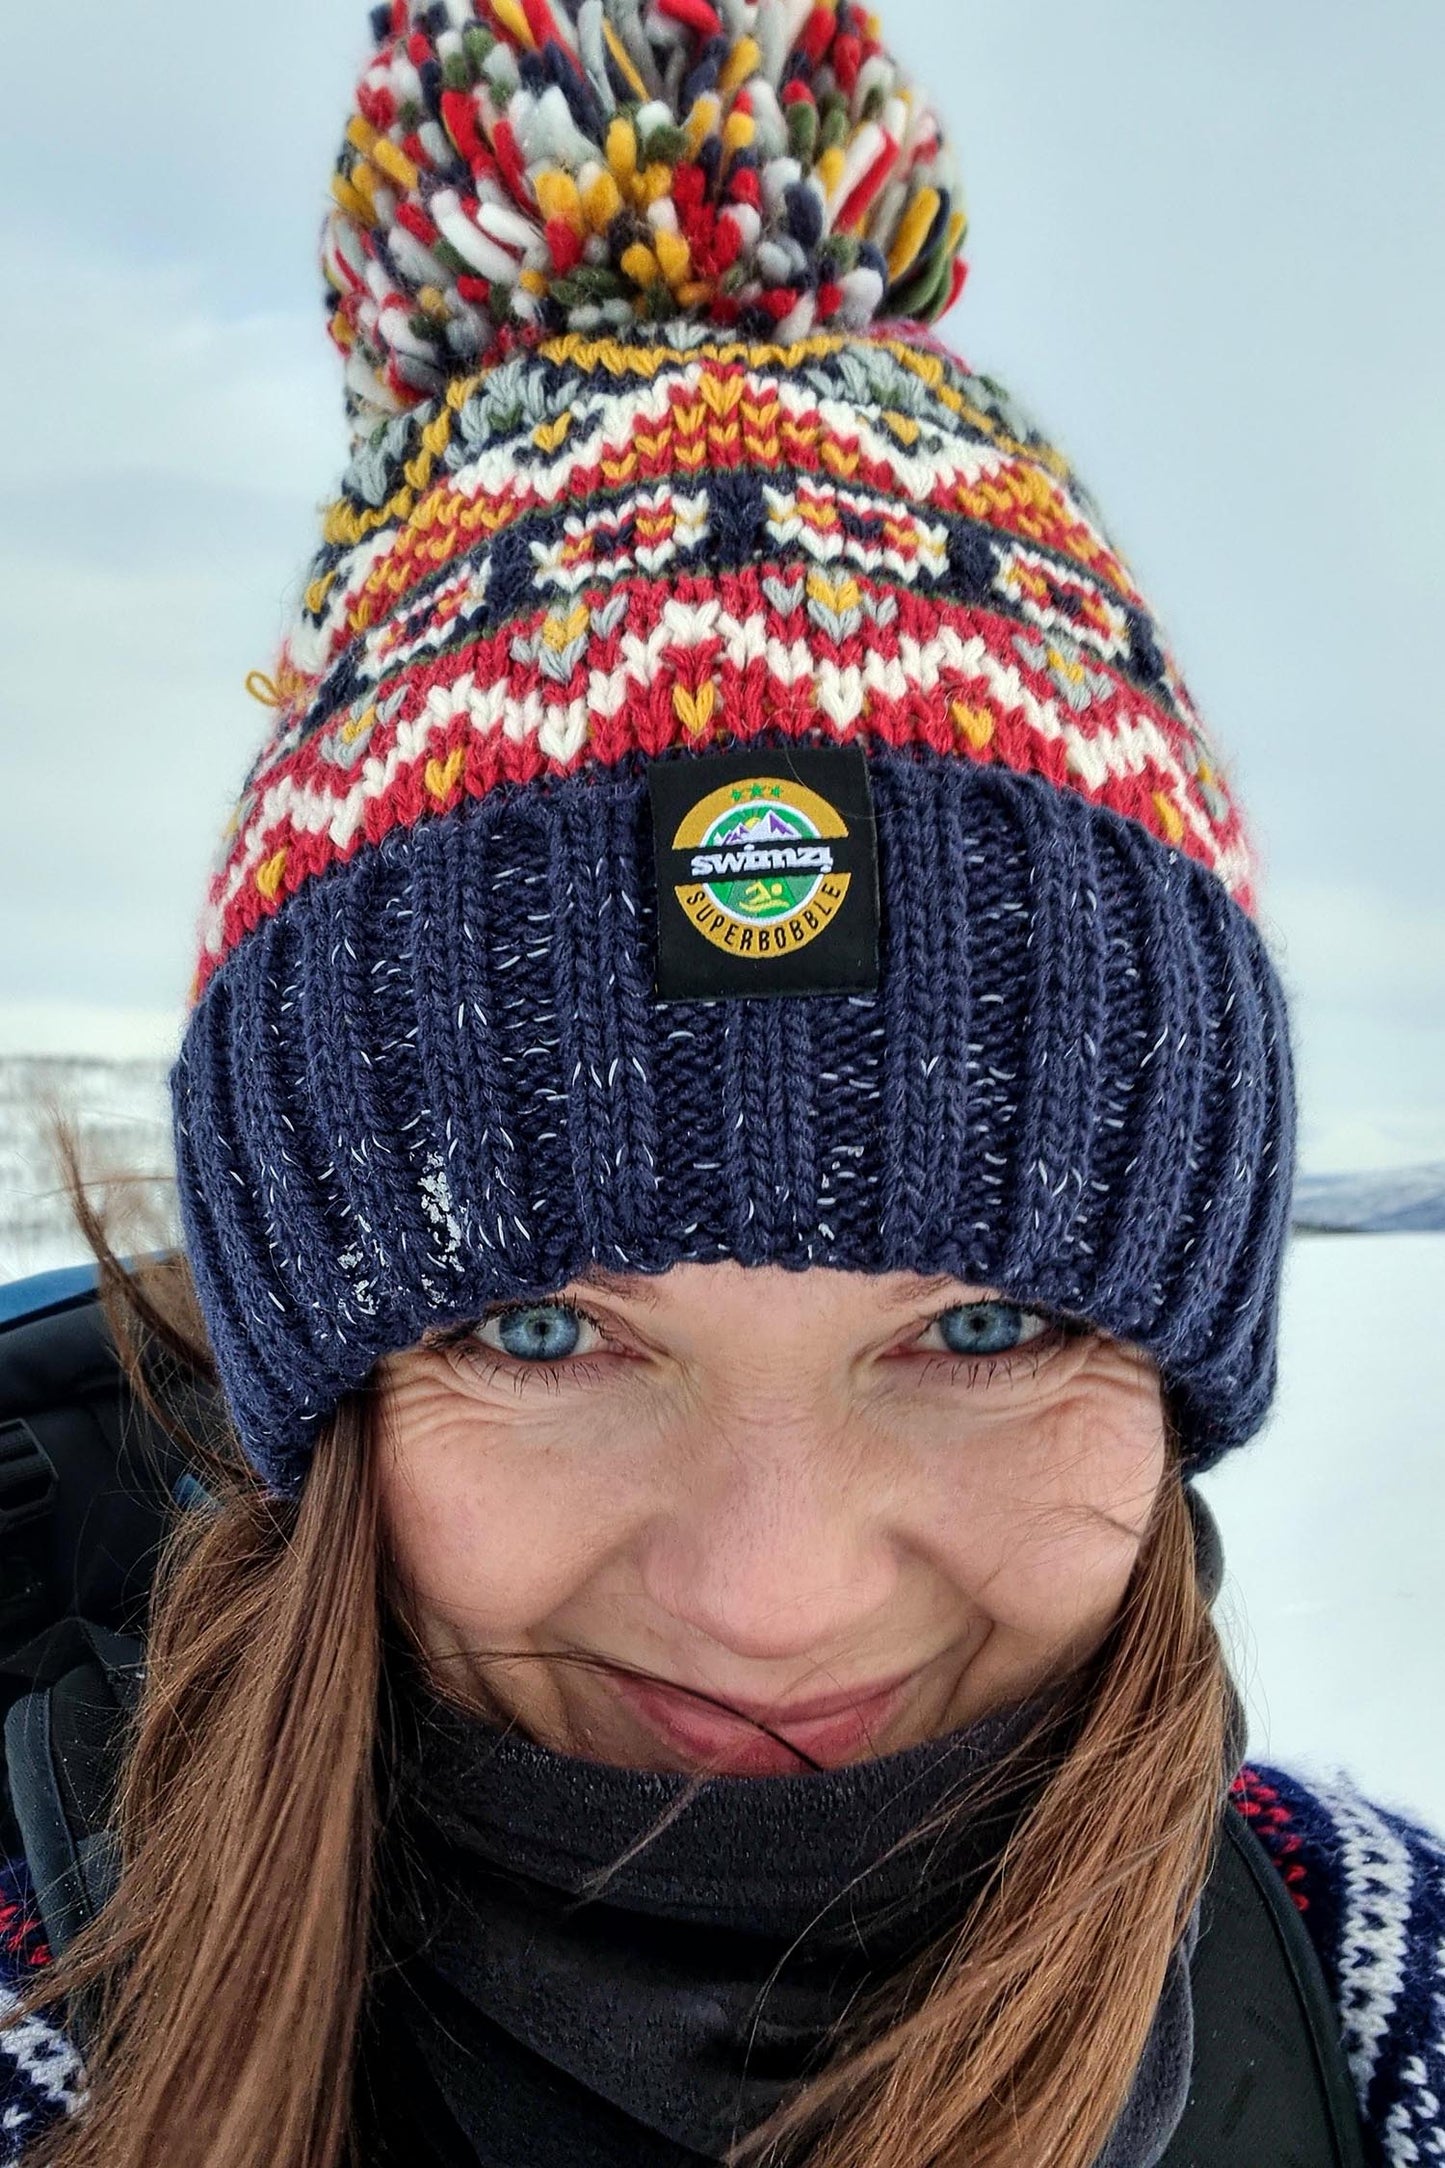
[
  {"x": 1376, "y": 1898},
  {"x": 1414, "y": 2130},
  {"x": 43, "y": 2057}
]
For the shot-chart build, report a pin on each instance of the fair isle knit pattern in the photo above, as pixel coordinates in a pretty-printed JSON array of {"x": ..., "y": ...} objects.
[
  {"x": 602, "y": 550},
  {"x": 1370, "y": 1885},
  {"x": 41, "y": 2078},
  {"x": 653, "y": 460}
]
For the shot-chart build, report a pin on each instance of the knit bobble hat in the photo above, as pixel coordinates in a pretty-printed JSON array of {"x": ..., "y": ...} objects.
[{"x": 726, "y": 796}]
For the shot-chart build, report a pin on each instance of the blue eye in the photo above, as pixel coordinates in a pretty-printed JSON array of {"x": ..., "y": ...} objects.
[
  {"x": 537, "y": 1332},
  {"x": 985, "y": 1329}
]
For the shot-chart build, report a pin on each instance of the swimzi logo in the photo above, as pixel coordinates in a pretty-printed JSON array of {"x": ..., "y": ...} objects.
[
  {"x": 762, "y": 880},
  {"x": 767, "y": 873}
]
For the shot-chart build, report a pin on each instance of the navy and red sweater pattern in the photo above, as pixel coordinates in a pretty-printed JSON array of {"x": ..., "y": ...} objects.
[{"x": 1369, "y": 1883}]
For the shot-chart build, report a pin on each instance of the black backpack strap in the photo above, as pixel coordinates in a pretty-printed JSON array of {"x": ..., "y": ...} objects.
[
  {"x": 64, "y": 1740},
  {"x": 88, "y": 1483},
  {"x": 1271, "y": 2084}
]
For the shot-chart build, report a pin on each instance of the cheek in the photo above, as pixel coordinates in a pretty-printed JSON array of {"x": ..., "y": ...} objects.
[
  {"x": 487, "y": 1532},
  {"x": 1044, "y": 1514}
]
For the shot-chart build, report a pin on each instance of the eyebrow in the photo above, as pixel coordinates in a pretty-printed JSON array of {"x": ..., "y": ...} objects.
[
  {"x": 923, "y": 1290},
  {"x": 626, "y": 1286},
  {"x": 637, "y": 1287}
]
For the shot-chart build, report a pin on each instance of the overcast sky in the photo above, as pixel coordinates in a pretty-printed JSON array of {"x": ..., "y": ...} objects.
[{"x": 1209, "y": 251}]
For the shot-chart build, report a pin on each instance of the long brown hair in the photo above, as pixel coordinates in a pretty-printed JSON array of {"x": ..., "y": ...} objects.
[{"x": 225, "y": 1981}]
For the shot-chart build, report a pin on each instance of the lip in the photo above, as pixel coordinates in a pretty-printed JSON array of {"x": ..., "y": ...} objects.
[
  {"x": 807, "y": 1712},
  {"x": 830, "y": 1730}
]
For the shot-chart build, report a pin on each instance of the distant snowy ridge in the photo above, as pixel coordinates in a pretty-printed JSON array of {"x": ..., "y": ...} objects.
[{"x": 1400, "y": 1201}]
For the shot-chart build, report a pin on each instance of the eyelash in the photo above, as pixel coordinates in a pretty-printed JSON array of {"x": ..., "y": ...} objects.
[
  {"x": 996, "y": 1369},
  {"x": 584, "y": 1370}
]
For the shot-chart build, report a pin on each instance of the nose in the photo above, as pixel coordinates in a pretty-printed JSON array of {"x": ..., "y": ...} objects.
[{"x": 772, "y": 1549}]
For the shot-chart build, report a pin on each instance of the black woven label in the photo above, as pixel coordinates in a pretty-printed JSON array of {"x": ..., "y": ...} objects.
[{"x": 767, "y": 873}]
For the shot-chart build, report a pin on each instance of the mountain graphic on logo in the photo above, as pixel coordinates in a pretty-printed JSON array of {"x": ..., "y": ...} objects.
[{"x": 766, "y": 826}]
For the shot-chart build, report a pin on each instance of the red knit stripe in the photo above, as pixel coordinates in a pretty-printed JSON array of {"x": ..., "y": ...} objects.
[
  {"x": 1272, "y": 1823},
  {"x": 458, "y": 759}
]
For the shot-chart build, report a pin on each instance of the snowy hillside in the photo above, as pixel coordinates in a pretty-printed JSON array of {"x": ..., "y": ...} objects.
[
  {"x": 1332, "y": 1521},
  {"x": 119, "y": 1110}
]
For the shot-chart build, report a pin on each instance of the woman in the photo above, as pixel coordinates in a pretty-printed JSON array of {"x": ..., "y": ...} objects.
[{"x": 734, "y": 1140}]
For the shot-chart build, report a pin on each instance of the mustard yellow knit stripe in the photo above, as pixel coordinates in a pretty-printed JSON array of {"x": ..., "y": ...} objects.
[{"x": 345, "y": 526}]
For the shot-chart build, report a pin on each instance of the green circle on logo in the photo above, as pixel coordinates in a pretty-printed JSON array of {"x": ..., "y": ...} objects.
[{"x": 758, "y": 899}]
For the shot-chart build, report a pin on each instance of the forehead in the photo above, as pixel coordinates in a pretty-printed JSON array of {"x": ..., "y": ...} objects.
[{"x": 889, "y": 1291}]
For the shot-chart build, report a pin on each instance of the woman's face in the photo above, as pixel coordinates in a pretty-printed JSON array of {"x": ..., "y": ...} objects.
[{"x": 864, "y": 1510}]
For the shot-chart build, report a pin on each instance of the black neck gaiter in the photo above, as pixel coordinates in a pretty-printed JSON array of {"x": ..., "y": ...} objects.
[{"x": 677, "y": 1957}]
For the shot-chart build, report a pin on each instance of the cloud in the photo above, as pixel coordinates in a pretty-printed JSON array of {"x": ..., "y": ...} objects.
[
  {"x": 1354, "y": 945},
  {"x": 127, "y": 734},
  {"x": 164, "y": 514},
  {"x": 160, "y": 384},
  {"x": 76, "y": 1029},
  {"x": 1365, "y": 971}
]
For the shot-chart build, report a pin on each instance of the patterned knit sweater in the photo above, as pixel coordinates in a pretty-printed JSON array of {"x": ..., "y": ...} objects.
[{"x": 1369, "y": 1884}]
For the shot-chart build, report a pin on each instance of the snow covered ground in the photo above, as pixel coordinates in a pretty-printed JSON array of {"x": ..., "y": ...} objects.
[
  {"x": 1334, "y": 1523},
  {"x": 119, "y": 1111},
  {"x": 1333, "y": 1520}
]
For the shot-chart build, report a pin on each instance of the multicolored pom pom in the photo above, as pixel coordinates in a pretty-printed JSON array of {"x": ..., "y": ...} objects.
[{"x": 525, "y": 166}]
